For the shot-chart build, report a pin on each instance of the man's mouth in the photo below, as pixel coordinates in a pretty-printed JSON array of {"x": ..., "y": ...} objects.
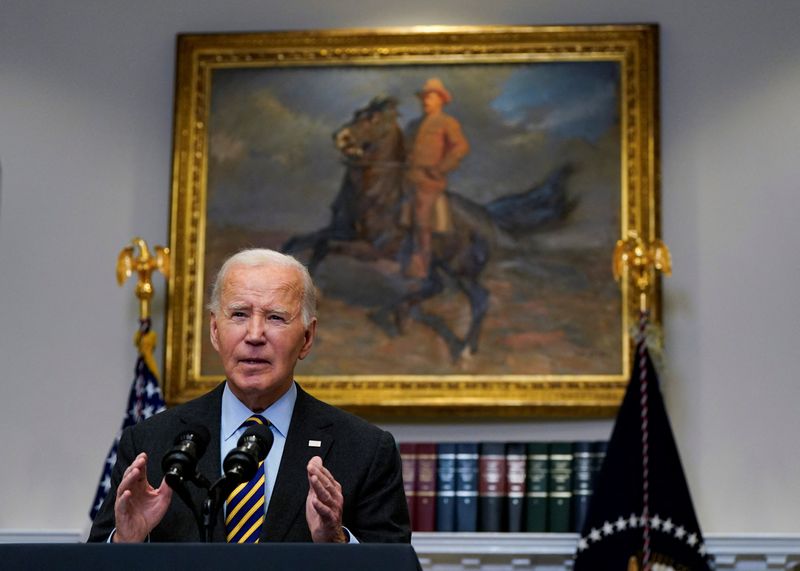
[{"x": 254, "y": 361}]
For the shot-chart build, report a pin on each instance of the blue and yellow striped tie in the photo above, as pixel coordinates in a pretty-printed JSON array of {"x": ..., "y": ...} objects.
[{"x": 245, "y": 505}]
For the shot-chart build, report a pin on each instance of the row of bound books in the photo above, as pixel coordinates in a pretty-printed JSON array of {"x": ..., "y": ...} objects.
[{"x": 500, "y": 486}]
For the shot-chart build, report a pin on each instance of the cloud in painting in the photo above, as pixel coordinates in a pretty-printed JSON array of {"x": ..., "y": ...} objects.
[
  {"x": 568, "y": 100},
  {"x": 272, "y": 160}
]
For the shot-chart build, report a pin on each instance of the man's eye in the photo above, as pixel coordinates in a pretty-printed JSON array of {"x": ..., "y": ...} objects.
[
  {"x": 276, "y": 318},
  {"x": 238, "y": 314}
]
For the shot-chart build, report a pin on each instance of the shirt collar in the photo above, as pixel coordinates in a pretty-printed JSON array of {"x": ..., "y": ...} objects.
[{"x": 234, "y": 413}]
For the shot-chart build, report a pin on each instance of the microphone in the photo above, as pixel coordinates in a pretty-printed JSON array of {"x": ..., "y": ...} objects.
[
  {"x": 180, "y": 462},
  {"x": 242, "y": 462}
]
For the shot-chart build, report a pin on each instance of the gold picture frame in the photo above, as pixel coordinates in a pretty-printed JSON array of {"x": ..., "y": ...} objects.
[{"x": 557, "y": 326}]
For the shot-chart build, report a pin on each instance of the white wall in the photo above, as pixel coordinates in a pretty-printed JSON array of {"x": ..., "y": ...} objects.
[{"x": 86, "y": 93}]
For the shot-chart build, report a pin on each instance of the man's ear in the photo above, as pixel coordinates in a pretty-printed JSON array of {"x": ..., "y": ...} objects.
[
  {"x": 308, "y": 338},
  {"x": 214, "y": 331}
]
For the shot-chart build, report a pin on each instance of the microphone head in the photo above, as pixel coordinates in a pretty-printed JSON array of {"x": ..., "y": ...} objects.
[
  {"x": 180, "y": 461},
  {"x": 262, "y": 436},
  {"x": 196, "y": 433},
  {"x": 242, "y": 462}
]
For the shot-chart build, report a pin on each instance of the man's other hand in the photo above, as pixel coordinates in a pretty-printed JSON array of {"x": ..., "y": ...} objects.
[
  {"x": 324, "y": 504},
  {"x": 139, "y": 506}
]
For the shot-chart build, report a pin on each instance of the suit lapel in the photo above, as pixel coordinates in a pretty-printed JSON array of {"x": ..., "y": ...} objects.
[{"x": 308, "y": 426}]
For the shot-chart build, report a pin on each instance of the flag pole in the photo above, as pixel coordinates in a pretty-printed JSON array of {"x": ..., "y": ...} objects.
[
  {"x": 638, "y": 261},
  {"x": 641, "y": 515},
  {"x": 645, "y": 414}
]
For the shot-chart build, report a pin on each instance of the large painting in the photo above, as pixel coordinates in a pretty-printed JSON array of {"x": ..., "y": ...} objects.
[{"x": 456, "y": 194}]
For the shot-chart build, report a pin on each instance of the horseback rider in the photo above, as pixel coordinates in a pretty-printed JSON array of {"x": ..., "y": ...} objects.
[{"x": 438, "y": 145}]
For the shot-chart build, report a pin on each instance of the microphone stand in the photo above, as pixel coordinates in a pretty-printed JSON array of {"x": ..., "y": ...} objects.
[
  {"x": 240, "y": 470},
  {"x": 216, "y": 494},
  {"x": 206, "y": 517},
  {"x": 221, "y": 489},
  {"x": 178, "y": 484}
]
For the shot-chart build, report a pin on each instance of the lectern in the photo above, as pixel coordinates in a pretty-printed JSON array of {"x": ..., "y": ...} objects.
[{"x": 209, "y": 556}]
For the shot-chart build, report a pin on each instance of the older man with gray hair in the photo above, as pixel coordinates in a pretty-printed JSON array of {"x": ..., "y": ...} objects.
[{"x": 329, "y": 477}]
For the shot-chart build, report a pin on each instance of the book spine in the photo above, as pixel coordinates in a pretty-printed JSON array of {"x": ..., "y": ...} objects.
[
  {"x": 466, "y": 487},
  {"x": 408, "y": 457},
  {"x": 559, "y": 505},
  {"x": 582, "y": 487},
  {"x": 599, "y": 448},
  {"x": 515, "y": 484},
  {"x": 536, "y": 486},
  {"x": 426, "y": 487},
  {"x": 446, "y": 487},
  {"x": 492, "y": 485}
]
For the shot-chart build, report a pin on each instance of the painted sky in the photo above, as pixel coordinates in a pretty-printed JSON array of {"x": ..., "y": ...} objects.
[{"x": 272, "y": 162}]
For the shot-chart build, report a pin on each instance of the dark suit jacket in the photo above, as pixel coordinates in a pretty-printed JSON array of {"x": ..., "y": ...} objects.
[{"x": 362, "y": 458}]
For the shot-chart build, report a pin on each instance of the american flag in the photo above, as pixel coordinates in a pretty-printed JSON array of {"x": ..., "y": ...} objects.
[{"x": 144, "y": 401}]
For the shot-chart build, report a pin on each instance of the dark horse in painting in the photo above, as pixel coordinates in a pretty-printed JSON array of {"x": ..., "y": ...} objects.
[{"x": 368, "y": 222}]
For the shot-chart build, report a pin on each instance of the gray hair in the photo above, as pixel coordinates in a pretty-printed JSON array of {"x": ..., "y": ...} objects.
[{"x": 263, "y": 257}]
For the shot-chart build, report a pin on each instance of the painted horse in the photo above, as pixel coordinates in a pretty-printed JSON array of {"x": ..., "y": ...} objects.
[{"x": 368, "y": 222}]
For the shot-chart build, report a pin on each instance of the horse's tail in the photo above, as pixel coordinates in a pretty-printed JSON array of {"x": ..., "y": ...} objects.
[{"x": 534, "y": 209}]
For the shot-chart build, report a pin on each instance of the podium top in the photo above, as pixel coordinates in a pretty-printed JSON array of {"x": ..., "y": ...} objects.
[{"x": 200, "y": 556}]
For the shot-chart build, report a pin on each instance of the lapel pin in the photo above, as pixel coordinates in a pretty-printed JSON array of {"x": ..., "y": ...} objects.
[{"x": 315, "y": 443}]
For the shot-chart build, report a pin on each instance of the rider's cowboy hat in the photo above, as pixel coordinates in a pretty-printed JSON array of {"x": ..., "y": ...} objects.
[{"x": 435, "y": 84}]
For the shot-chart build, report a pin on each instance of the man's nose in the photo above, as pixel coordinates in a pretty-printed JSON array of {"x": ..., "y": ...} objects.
[{"x": 256, "y": 329}]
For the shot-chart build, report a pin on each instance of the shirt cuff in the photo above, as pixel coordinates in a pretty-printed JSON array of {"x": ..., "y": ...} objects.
[
  {"x": 350, "y": 537},
  {"x": 146, "y": 539}
]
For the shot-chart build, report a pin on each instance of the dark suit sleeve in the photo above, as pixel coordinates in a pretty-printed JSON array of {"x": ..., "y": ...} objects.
[
  {"x": 104, "y": 520},
  {"x": 380, "y": 514}
]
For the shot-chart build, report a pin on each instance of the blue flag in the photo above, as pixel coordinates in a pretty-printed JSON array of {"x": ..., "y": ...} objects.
[
  {"x": 641, "y": 514},
  {"x": 144, "y": 401}
]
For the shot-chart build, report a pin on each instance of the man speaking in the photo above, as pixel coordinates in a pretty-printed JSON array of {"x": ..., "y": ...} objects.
[{"x": 329, "y": 476}]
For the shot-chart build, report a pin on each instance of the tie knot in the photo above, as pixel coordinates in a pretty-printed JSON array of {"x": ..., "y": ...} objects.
[{"x": 255, "y": 419}]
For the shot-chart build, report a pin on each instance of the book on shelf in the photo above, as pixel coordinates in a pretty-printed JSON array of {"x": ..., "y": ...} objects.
[
  {"x": 559, "y": 495},
  {"x": 500, "y": 486},
  {"x": 492, "y": 485},
  {"x": 537, "y": 482},
  {"x": 408, "y": 458},
  {"x": 599, "y": 448},
  {"x": 515, "y": 484},
  {"x": 446, "y": 487},
  {"x": 466, "y": 486},
  {"x": 582, "y": 487},
  {"x": 425, "y": 488}
]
